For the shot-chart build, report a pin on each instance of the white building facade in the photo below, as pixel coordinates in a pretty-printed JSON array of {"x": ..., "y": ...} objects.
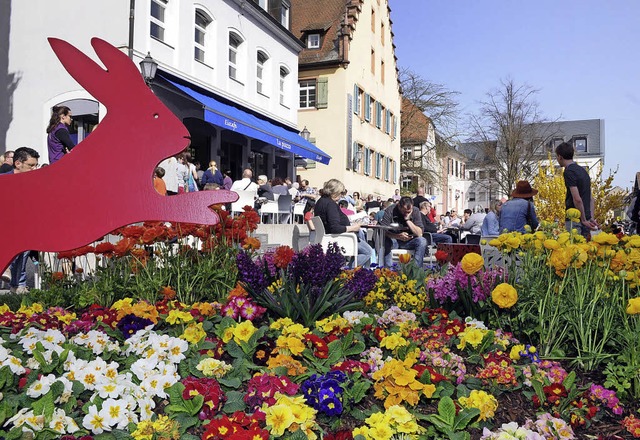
[{"x": 222, "y": 54}]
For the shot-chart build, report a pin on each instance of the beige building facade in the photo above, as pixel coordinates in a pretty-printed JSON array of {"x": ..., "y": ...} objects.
[{"x": 349, "y": 93}]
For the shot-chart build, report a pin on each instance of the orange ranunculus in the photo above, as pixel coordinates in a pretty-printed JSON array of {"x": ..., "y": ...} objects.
[
  {"x": 404, "y": 258},
  {"x": 133, "y": 231},
  {"x": 123, "y": 246},
  {"x": 471, "y": 263},
  {"x": 105, "y": 248},
  {"x": 251, "y": 243},
  {"x": 57, "y": 276},
  {"x": 167, "y": 293}
]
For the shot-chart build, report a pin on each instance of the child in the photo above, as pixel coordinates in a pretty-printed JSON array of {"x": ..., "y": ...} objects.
[{"x": 158, "y": 183}]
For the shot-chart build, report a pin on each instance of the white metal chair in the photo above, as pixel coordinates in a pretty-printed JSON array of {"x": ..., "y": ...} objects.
[
  {"x": 347, "y": 241},
  {"x": 270, "y": 208},
  {"x": 298, "y": 211},
  {"x": 245, "y": 198},
  {"x": 284, "y": 208}
]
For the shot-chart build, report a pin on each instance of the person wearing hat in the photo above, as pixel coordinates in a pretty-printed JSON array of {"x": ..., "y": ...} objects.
[{"x": 519, "y": 210}]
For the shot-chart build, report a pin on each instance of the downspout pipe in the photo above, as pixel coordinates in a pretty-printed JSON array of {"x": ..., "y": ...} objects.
[{"x": 132, "y": 9}]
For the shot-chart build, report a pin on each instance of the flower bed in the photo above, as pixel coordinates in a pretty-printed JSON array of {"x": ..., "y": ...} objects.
[{"x": 304, "y": 349}]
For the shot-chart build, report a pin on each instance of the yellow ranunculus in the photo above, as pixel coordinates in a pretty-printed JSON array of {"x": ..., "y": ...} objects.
[
  {"x": 504, "y": 295},
  {"x": 573, "y": 215},
  {"x": 551, "y": 244},
  {"x": 633, "y": 307},
  {"x": 471, "y": 263},
  {"x": 605, "y": 238}
]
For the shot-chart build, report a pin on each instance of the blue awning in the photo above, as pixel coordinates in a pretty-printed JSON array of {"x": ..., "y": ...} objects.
[{"x": 234, "y": 119}]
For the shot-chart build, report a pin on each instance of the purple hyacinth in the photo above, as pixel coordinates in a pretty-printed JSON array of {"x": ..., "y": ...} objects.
[
  {"x": 312, "y": 266},
  {"x": 250, "y": 273},
  {"x": 362, "y": 282}
]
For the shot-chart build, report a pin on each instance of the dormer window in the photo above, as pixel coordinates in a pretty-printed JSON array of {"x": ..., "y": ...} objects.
[{"x": 313, "y": 41}]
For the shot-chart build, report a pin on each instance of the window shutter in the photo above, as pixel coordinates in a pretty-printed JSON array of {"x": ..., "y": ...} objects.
[
  {"x": 386, "y": 170},
  {"x": 356, "y": 103},
  {"x": 378, "y": 114},
  {"x": 367, "y": 107},
  {"x": 350, "y": 156},
  {"x": 322, "y": 99},
  {"x": 387, "y": 125}
]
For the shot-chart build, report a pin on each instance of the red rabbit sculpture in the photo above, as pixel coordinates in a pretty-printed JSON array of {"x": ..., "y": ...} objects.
[{"x": 65, "y": 206}]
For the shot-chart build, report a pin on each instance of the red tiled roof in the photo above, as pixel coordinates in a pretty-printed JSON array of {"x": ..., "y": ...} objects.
[
  {"x": 329, "y": 15},
  {"x": 415, "y": 124}
]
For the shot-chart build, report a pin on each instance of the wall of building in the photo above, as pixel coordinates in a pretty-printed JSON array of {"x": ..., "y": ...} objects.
[
  {"x": 337, "y": 127},
  {"x": 43, "y": 82}
]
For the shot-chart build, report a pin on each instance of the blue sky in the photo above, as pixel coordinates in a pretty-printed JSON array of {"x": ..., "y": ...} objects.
[{"x": 583, "y": 56}]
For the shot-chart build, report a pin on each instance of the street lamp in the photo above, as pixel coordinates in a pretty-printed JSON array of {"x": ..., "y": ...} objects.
[
  {"x": 148, "y": 68},
  {"x": 306, "y": 134}
]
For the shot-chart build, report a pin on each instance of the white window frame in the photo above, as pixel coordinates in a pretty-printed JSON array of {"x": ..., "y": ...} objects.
[
  {"x": 284, "y": 75},
  {"x": 264, "y": 4},
  {"x": 234, "y": 43},
  {"x": 284, "y": 15},
  {"x": 158, "y": 21},
  {"x": 575, "y": 144},
  {"x": 306, "y": 86},
  {"x": 201, "y": 47},
  {"x": 262, "y": 58},
  {"x": 313, "y": 41}
]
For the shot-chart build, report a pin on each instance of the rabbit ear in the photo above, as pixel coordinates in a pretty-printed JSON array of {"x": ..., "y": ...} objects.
[
  {"x": 82, "y": 68},
  {"x": 119, "y": 66},
  {"x": 121, "y": 79}
]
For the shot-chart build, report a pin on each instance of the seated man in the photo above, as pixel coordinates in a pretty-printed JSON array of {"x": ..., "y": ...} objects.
[
  {"x": 425, "y": 209},
  {"x": 472, "y": 222},
  {"x": 408, "y": 234}
]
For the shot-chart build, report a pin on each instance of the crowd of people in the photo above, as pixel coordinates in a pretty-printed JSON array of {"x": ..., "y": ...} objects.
[{"x": 409, "y": 222}]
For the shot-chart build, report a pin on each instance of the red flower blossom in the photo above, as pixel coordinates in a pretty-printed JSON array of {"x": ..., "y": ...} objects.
[
  {"x": 133, "y": 231},
  {"x": 441, "y": 256},
  {"x": 105, "y": 248},
  {"x": 320, "y": 347},
  {"x": 123, "y": 246}
]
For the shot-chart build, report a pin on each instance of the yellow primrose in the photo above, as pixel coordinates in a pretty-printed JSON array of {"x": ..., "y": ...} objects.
[
  {"x": 514, "y": 354},
  {"x": 194, "y": 333},
  {"x": 179, "y": 317},
  {"x": 393, "y": 341},
  {"x": 243, "y": 331}
]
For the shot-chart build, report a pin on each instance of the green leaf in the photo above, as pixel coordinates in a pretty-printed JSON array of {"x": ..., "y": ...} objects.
[
  {"x": 359, "y": 390},
  {"x": 298, "y": 435},
  {"x": 185, "y": 421},
  {"x": 195, "y": 404},
  {"x": 44, "y": 406},
  {"x": 569, "y": 380},
  {"x": 234, "y": 350},
  {"x": 464, "y": 417},
  {"x": 232, "y": 382},
  {"x": 459, "y": 436},
  {"x": 176, "y": 408},
  {"x": 234, "y": 402},
  {"x": 447, "y": 409}
]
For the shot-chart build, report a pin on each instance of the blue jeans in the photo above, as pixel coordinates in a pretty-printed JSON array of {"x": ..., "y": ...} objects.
[
  {"x": 417, "y": 244},
  {"x": 19, "y": 270},
  {"x": 366, "y": 254}
]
